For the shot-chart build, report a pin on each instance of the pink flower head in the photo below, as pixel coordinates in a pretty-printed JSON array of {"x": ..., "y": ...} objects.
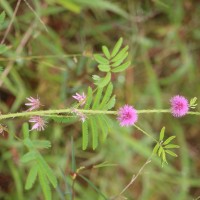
[
  {"x": 127, "y": 116},
  {"x": 80, "y": 98},
  {"x": 40, "y": 123},
  {"x": 33, "y": 103},
  {"x": 179, "y": 106}
]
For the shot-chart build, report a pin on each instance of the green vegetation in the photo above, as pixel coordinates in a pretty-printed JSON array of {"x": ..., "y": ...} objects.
[{"x": 51, "y": 50}]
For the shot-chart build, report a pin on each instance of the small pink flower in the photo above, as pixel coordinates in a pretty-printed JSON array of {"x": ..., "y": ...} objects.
[
  {"x": 80, "y": 98},
  {"x": 40, "y": 123},
  {"x": 179, "y": 106},
  {"x": 34, "y": 103},
  {"x": 127, "y": 115}
]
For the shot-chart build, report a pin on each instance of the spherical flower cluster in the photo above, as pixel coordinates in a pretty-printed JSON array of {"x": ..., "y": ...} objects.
[
  {"x": 127, "y": 115},
  {"x": 179, "y": 106}
]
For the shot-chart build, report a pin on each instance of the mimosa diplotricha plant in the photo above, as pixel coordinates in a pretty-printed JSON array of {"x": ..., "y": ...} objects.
[{"x": 93, "y": 109}]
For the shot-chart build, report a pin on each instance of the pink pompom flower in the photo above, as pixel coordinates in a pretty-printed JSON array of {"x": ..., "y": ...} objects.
[
  {"x": 80, "y": 98},
  {"x": 40, "y": 123},
  {"x": 127, "y": 115},
  {"x": 179, "y": 106},
  {"x": 34, "y": 103}
]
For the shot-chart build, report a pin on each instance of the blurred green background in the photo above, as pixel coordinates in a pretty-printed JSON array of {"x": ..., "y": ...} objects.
[{"x": 50, "y": 55}]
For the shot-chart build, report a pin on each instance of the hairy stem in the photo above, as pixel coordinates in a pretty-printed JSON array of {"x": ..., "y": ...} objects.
[{"x": 70, "y": 110}]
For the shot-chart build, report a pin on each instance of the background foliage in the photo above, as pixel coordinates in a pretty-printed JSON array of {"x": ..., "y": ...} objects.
[{"x": 56, "y": 60}]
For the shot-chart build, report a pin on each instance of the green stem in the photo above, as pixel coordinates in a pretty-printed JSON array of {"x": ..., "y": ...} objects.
[
  {"x": 145, "y": 133},
  {"x": 70, "y": 110}
]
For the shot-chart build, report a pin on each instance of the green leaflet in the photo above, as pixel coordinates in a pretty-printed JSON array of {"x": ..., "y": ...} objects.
[
  {"x": 107, "y": 95},
  {"x": 104, "y": 67},
  {"x": 117, "y": 47},
  {"x": 94, "y": 132},
  {"x": 104, "y": 127},
  {"x": 97, "y": 98},
  {"x": 171, "y": 153},
  {"x": 102, "y": 82},
  {"x": 106, "y": 52},
  {"x": 155, "y": 149},
  {"x": 89, "y": 98},
  {"x": 85, "y": 135},
  {"x": 162, "y": 134},
  {"x": 167, "y": 141},
  {"x": 121, "y": 55},
  {"x": 31, "y": 177},
  {"x": 119, "y": 62},
  {"x": 100, "y": 59},
  {"x": 30, "y": 156},
  {"x": 42, "y": 144},
  {"x": 121, "y": 67},
  {"x": 171, "y": 146},
  {"x": 110, "y": 104}
]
